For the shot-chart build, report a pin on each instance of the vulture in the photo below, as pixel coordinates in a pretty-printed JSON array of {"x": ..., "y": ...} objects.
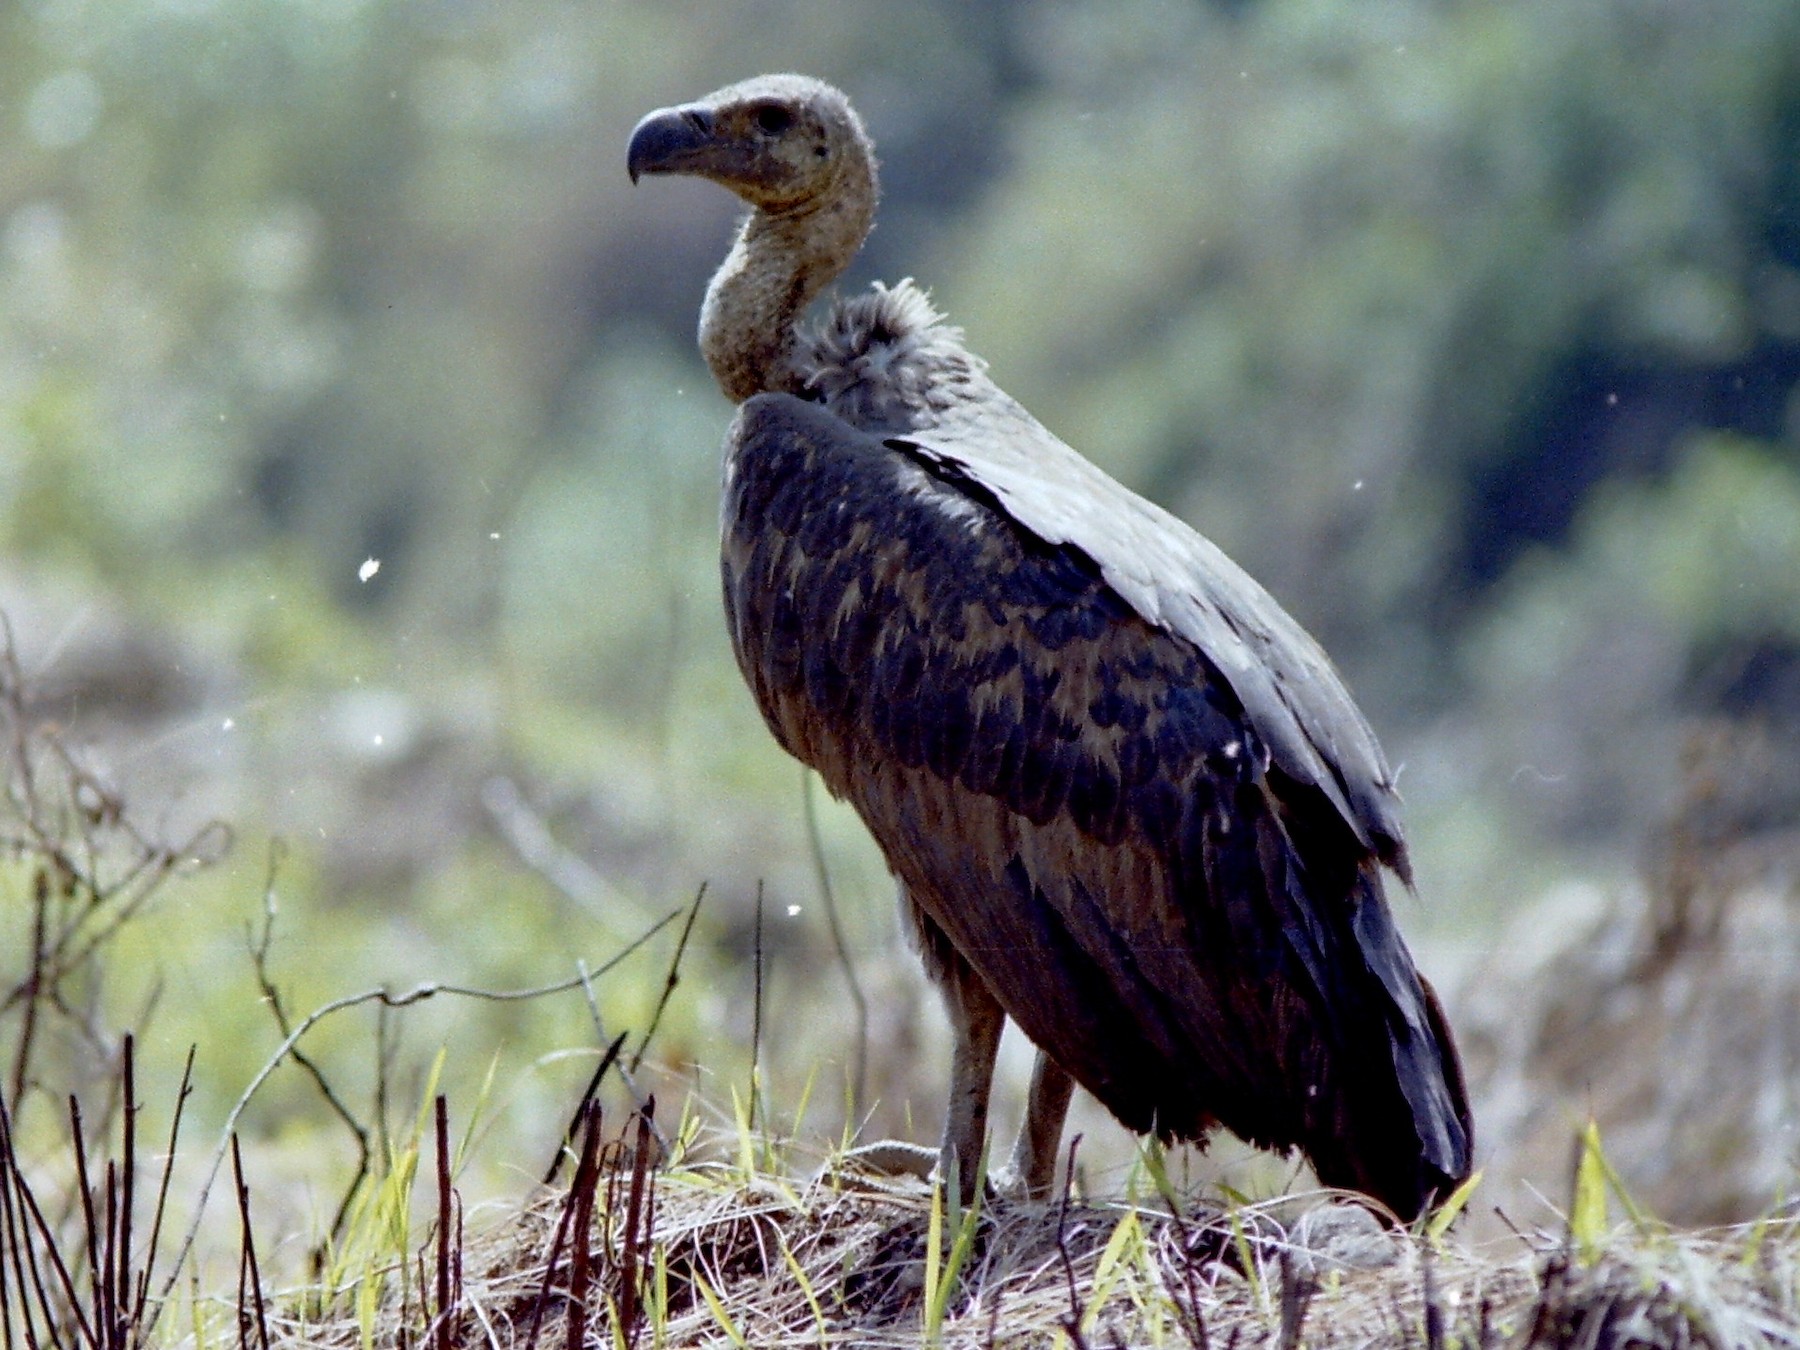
[{"x": 1128, "y": 800}]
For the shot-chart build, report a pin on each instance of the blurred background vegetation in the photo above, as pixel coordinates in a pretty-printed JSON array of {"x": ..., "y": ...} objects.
[{"x": 1472, "y": 328}]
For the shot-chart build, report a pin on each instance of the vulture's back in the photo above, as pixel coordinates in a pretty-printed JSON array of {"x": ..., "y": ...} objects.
[{"x": 1177, "y": 905}]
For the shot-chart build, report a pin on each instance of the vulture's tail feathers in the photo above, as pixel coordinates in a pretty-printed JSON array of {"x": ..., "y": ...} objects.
[
  {"x": 1425, "y": 1058},
  {"x": 1415, "y": 1147},
  {"x": 1331, "y": 1042}
]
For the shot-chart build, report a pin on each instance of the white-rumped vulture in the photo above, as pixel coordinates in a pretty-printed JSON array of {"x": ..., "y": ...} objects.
[{"x": 1128, "y": 800}]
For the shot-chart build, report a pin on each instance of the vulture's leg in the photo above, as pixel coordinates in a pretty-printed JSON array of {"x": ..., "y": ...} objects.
[
  {"x": 976, "y": 1021},
  {"x": 1033, "y": 1169}
]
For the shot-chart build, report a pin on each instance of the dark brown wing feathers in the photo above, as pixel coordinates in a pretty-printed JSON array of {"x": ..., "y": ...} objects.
[{"x": 1077, "y": 798}]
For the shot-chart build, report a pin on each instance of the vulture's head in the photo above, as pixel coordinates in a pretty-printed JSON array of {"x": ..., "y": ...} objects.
[{"x": 778, "y": 141}]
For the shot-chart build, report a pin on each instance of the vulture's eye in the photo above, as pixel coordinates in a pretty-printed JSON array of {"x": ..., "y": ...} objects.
[{"x": 773, "y": 118}]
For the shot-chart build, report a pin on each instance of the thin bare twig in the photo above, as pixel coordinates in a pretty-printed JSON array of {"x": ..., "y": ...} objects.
[
  {"x": 587, "y": 1186},
  {"x": 34, "y": 985},
  {"x": 1297, "y": 1290},
  {"x": 635, "y": 1242},
  {"x": 34, "y": 1234},
  {"x": 85, "y": 1185},
  {"x": 586, "y": 1174},
  {"x": 441, "y": 1339},
  {"x": 1187, "y": 1311},
  {"x": 249, "y": 1275},
  {"x": 1062, "y": 1246},
  {"x": 122, "y": 1300},
  {"x": 587, "y": 1095},
  {"x": 162, "y": 1199},
  {"x": 671, "y": 980},
  {"x": 1434, "y": 1310},
  {"x": 593, "y": 1004},
  {"x": 260, "y": 943},
  {"x": 94, "y": 872},
  {"x": 388, "y": 999}
]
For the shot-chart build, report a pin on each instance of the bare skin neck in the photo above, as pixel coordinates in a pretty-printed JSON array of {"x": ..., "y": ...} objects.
[{"x": 784, "y": 256}]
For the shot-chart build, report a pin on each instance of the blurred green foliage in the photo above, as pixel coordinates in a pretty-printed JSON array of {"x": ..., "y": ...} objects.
[{"x": 1472, "y": 328}]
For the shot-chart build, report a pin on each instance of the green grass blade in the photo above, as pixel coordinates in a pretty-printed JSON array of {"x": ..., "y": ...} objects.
[
  {"x": 720, "y": 1316},
  {"x": 1127, "y": 1235},
  {"x": 1587, "y": 1207},
  {"x": 806, "y": 1287},
  {"x": 1448, "y": 1212},
  {"x": 934, "y": 1234}
]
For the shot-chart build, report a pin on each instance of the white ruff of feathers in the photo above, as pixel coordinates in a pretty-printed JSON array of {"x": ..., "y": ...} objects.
[{"x": 886, "y": 361}]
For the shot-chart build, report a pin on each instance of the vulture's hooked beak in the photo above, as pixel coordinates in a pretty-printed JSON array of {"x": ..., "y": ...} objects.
[{"x": 673, "y": 140}]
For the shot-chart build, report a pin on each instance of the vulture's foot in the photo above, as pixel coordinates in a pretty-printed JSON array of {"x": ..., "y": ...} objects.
[
  {"x": 1019, "y": 1186},
  {"x": 878, "y": 1165}
]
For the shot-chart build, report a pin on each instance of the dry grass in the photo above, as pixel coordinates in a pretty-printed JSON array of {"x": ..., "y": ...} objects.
[
  {"x": 721, "y": 1244},
  {"x": 712, "y": 1253}
]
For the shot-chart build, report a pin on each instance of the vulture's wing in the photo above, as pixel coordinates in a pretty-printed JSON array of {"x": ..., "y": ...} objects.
[
  {"x": 1181, "y": 911},
  {"x": 1179, "y": 580}
]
